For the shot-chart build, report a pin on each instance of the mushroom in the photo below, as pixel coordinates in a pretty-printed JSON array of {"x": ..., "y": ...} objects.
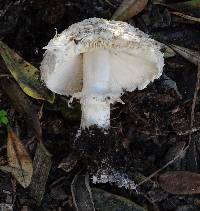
[{"x": 95, "y": 60}]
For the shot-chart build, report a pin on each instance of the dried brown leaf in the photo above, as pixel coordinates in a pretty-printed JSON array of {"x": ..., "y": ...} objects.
[
  {"x": 42, "y": 166},
  {"x": 190, "y": 8},
  {"x": 128, "y": 9},
  {"x": 20, "y": 164},
  {"x": 190, "y": 55},
  {"x": 81, "y": 192},
  {"x": 180, "y": 182},
  {"x": 23, "y": 105}
]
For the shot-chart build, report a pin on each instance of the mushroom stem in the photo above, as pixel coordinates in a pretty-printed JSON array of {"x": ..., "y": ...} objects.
[
  {"x": 96, "y": 79},
  {"x": 95, "y": 112}
]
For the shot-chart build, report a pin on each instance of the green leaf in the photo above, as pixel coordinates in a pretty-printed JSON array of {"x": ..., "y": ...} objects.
[
  {"x": 4, "y": 120},
  {"x": 3, "y": 113},
  {"x": 193, "y": 3},
  {"x": 26, "y": 75},
  {"x": 3, "y": 117}
]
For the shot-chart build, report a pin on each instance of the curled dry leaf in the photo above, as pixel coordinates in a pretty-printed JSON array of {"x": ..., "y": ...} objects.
[
  {"x": 180, "y": 182},
  {"x": 128, "y": 9},
  {"x": 26, "y": 75},
  {"x": 190, "y": 55},
  {"x": 42, "y": 166},
  {"x": 19, "y": 162},
  {"x": 81, "y": 192}
]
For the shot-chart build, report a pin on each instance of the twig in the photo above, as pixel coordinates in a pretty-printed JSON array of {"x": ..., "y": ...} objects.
[
  {"x": 194, "y": 103},
  {"x": 166, "y": 132},
  {"x": 5, "y": 76},
  {"x": 3, "y": 12},
  {"x": 188, "y": 17},
  {"x": 107, "y": 1},
  {"x": 181, "y": 153},
  {"x": 192, "y": 143}
]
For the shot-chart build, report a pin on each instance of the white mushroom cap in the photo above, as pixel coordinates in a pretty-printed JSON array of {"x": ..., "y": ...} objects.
[{"x": 135, "y": 59}]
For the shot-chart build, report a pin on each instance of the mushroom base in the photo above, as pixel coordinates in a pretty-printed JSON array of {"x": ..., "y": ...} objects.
[{"x": 95, "y": 112}]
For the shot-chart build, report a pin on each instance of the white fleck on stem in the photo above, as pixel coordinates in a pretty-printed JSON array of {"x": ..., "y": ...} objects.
[{"x": 96, "y": 79}]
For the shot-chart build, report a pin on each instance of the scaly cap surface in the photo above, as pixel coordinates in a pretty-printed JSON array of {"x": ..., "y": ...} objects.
[{"x": 135, "y": 59}]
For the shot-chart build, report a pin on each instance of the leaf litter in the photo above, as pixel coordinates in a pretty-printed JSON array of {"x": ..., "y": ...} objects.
[
  {"x": 19, "y": 161},
  {"x": 180, "y": 182},
  {"x": 90, "y": 199},
  {"x": 27, "y": 76},
  {"x": 147, "y": 115}
]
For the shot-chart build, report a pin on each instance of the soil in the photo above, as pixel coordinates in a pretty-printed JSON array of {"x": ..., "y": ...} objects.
[{"x": 147, "y": 131}]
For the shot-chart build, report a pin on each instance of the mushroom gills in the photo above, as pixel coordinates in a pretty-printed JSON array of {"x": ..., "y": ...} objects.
[{"x": 59, "y": 75}]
